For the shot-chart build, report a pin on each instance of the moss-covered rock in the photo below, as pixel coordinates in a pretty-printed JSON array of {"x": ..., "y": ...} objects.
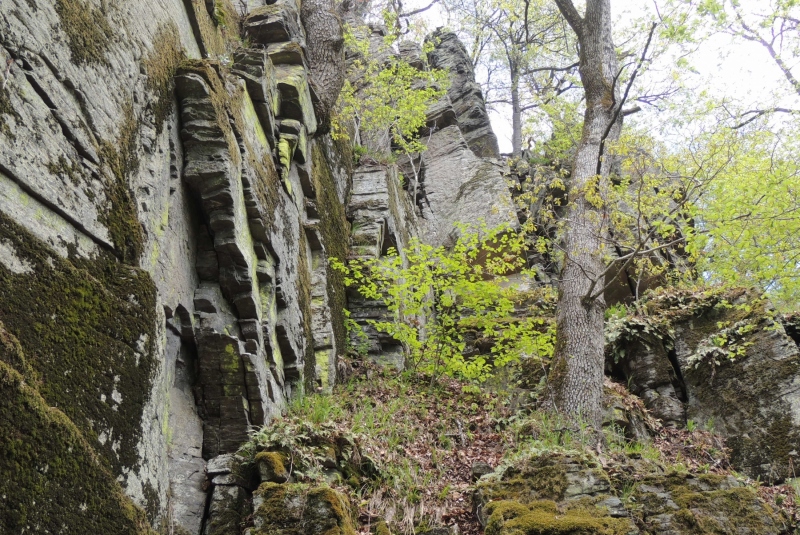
[
  {"x": 299, "y": 509},
  {"x": 227, "y": 511},
  {"x": 335, "y": 235},
  {"x": 120, "y": 215},
  {"x": 87, "y": 330},
  {"x": 720, "y": 359},
  {"x": 53, "y": 481},
  {"x": 508, "y": 517},
  {"x": 557, "y": 493},
  {"x": 271, "y": 466},
  {"x": 550, "y": 476},
  {"x": 706, "y": 504},
  {"x": 88, "y": 31},
  {"x": 160, "y": 66}
]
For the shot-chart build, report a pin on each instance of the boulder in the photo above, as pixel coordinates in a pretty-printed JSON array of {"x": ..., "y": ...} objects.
[
  {"x": 227, "y": 510},
  {"x": 300, "y": 509},
  {"x": 721, "y": 360},
  {"x": 570, "y": 493}
]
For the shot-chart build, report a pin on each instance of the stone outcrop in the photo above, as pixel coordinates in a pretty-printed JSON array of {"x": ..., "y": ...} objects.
[
  {"x": 458, "y": 188},
  {"x": 464, "y": 93},
  {"x": 166, "y": 219},
  {"x": 722, "y": 361},
  {"x": 572, "y": 493},
  {"x": 169, "y": 209}
]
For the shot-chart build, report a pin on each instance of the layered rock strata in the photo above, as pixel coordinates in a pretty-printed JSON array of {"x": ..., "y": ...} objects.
[
  {"x": 465, "y": 93},
  {"x": 166, "y": 219}
]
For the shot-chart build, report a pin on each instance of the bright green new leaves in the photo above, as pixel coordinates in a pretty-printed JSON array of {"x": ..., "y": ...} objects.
[
  {"x": 748, "y": 220},
  {"x": 438, "y": 297},
  {"x": 385, "y": 93}
]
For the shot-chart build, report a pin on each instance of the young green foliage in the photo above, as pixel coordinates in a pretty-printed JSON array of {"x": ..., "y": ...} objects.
[
  {"x": 384, "y": 93},
  {"x": 436, "y": 297}
]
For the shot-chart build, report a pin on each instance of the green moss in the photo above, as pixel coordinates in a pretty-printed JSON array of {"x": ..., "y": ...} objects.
[
  {"x": 11, "y": 353},
  {"x": 537, "y": 478},
  {"x": 545, "y": 518},
  {"x": 120, "y": 215},
  {"x": 382, "y": 529},
  {"x": 274, "y": 463},
  {"x": 335, "y": 235},
  {"x": 705, "y": 504},
  {"x": 55, "y": 483},
  {"x": 62, "y": 167},
  {"x": 87, "y": 29},
  {"x": 88, "y": 330},
  {"x": 304, "y": 303},
  {"x": 218, "y": 39},
  {"x": 160, "y": 66},
  {"x": 299, "y": 509}
]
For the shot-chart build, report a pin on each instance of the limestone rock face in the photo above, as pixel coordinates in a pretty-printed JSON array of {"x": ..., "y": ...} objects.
[{"x": 464, "y": 93}]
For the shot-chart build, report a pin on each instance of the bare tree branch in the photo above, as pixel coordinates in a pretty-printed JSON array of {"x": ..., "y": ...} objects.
[{"x": 418, "y": 11}]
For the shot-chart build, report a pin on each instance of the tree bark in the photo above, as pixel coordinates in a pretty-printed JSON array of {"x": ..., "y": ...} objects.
[
  {"x": 576, "y": 374},
  {"x": 516, "y": 116},
  {"x": 325, "y": 47}
]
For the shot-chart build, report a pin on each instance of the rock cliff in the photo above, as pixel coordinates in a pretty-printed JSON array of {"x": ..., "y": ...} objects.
[
  {"x": 166, "y": 219},
  {"x": 168, "y": 210},
  {"x": 169, "y": 207}
]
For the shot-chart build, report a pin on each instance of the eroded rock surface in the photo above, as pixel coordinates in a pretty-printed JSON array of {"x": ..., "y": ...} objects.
[
  {"x": 721, "y": 360},
  {"x": 166, "y": 221},
  {"x": 464, "y": 93}
]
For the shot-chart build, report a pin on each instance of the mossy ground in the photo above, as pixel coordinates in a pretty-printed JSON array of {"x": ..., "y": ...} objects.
[{"x": 404, "y": 448}]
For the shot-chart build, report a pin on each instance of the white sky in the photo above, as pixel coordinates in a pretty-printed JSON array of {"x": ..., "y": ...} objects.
[{"x": 737, "y": 69}]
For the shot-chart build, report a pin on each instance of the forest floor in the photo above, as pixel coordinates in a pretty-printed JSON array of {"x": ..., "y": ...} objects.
[{"x": 428, "y": 440}]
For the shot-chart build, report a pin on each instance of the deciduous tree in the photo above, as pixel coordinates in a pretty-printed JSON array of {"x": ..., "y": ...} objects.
[{"x": 576, "y": 376}]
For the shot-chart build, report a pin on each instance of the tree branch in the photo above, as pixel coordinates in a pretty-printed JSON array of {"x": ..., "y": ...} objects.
[
  {"x": 759, "y": 113},
  {"x": 418, "y": 11},
  {"x": 618, "y": 107},
  {"x": 567, "y": 9}
]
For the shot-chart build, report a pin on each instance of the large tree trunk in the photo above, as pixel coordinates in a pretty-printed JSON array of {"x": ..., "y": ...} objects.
[
  {"x": 576, "y": 376},
  {"x": 325, "y": 47}
]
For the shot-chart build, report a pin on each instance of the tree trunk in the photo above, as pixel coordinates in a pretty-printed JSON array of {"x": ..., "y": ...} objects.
[
  {"x": 516, "y": 116},
  {"x": 325, "y": 47},
  {"x": 576, "y": 376}
]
